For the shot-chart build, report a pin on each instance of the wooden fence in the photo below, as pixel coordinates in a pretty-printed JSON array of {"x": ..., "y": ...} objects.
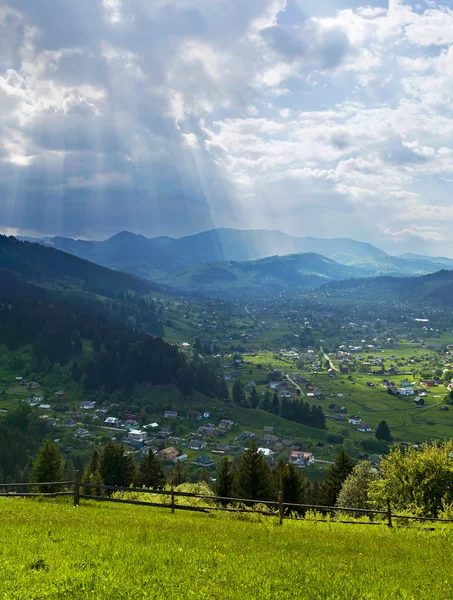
[{"x": 282, "y": 510}]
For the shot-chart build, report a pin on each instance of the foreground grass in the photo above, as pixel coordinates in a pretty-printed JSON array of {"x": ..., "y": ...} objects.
[{"x": 53, "y": 550}]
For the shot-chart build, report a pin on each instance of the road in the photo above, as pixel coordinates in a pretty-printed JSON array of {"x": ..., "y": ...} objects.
[
  {"x": 294, "y": 384},
  {"x": 323, "y": 462},
  {"x": 327, "y": 357},
  {"x": 247, "y": 310}
]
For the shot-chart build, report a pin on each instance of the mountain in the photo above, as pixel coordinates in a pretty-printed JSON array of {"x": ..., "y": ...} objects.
[
  {"x": 54, "y": 274},
  {"x": 397, "y": 266},
  {"x": 271, "y": 274},
  {"x": 152, "y": 258},
  {"x": 439, "y": 260},
  {"x": 434, "y": 289}
]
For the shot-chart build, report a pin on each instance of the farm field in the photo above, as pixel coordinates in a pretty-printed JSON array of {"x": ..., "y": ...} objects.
[{"x": 49, "y": 549}]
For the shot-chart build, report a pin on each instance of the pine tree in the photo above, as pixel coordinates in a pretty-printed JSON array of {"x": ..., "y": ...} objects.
[
  {"x": 205, "y": 476},
  {"x": 293, "y": 485},
  {"x": 115, "y": 466},
  {"x": 48, "y": 467},
  {"x": 313, "y": 493},
  {"x": 238, "y": 393},
  {"x": 150, "y": 472},
  {"x": 180, "y": 474},
  {"x": 335, "y": 478},
  {"x": 225, "y": 477},
  {"x": 253, "y": 478},
  {"x": 254, "y": 398},
  {"x": 383, "y": 432}
]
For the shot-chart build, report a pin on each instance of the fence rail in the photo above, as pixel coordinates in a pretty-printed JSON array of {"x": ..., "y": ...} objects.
[{"x": 237, "y": 505}]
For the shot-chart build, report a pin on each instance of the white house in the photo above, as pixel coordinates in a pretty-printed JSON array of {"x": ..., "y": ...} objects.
[
  {"x": 406, "y": 391},
  {"x": 112, "y": 422},
  {"x": 170, "y": 414},
  {"x": 266, "y": 452},
  {"x": 301, "y": 459},
  {"x": 354, "y": 420},
  {"x": 180, "y": 458},
  {"x": 87, "y": 405},
  {"x": 135, "y": 435}
]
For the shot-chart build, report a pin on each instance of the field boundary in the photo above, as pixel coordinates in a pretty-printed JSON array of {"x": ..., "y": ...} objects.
[{"x": 215, "y": 503}]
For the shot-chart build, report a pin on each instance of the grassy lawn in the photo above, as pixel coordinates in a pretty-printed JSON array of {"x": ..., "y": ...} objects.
[{"x": 53, "y": 550}]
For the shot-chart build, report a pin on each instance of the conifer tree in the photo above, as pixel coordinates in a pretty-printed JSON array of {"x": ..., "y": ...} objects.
[
  {"x": 238, "y": 393},
  {"x": 48, "y": 467},
  {"x": 115, "y": 466},
  {"x": 205, "y": 476},
  {"x": 225, "y": 477},
  {"x": 254, "y": 398},
  {"x": 335, "y": 478},
  {"x": 253, "y": 478},
  {"x": 150, "y": 473},
  {"x": 180, "y": 474},
  {"x": 383, "y": 432}
]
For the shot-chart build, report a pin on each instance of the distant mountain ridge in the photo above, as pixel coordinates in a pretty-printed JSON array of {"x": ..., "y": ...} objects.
[{"x": 151, "y": 257}]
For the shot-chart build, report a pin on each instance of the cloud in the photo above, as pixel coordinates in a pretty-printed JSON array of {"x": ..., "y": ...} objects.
[{"x": 172, "y": 116}]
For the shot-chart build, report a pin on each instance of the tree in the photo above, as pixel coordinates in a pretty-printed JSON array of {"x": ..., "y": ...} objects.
[
  {"x": 383, "y": 432},
  {"x": 238, "y": 393},
  {"x": 254, "y": 398},
  {"x": 150, "y": 473},
  {"x": 180, "y": 474},
  {"x": 225, "y": 477},
  {"x": 48, "y": 467},
  {"x": 291, "y": 483},
  {"x": 354, "y": 491},
  {"x": 115, "y": 466},
  {"x": 253, "y": 478},
  {"x": 335, "y": 478},
  {"x": 205, "y": 477},
  {"x": 419, "y": 481}
]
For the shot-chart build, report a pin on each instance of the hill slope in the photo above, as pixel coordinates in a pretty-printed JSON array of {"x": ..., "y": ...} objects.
[
  {"x": 275, "y": 273},
  {"x": 115, "y": 551}
]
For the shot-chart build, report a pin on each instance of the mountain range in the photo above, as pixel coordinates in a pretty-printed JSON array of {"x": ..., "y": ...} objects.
[{"x": 239, "y": 259}]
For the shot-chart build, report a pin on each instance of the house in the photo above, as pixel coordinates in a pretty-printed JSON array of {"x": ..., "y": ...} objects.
[
  {"x": 18, "y": 379},
  {"x": 270, "y": 439},
  {"x": 112, "y": 422},
  {"x": 301, "y": 459},
  {"x": 206, "y": 415},
  {"x": 354, "y": 420},
  {"x": 334, "y": 407},
  {"x": 180, "y": 458},
  {"x": 364, "y": 428},
  {"x": 170, "y": 414},
  {"x": 287, "y": 442},
  {"x": 196, "y": 445},
  {"x": 204, "y": 461},
  {"x": 222, "y": 448},
  {"x": 406, "y": 392},
  {"x": 60, "y": 394},
  {"x": 135, "y": 435},
  {"x": 429, "y": 383},
  {"x": 44, "y": 406},
  {"x": 81, "y": 433},
  {"x": 60, "y": 408},
  {"x": 87, "y": 405},
  {"x": 69, "y": 423},
  {"x": 268, "y": 429},
  {"x": 266, "y": 452},
  {"x": 207, "y": 430},
  {"x": 131, "y": 424},
  {"x": 246, "y": 435},
  {"x": 405, "y": 383},
  {"x": 33, "y": 385},
  {"x": 225, "y": 424},
  {"x": 168, "y": 453}
]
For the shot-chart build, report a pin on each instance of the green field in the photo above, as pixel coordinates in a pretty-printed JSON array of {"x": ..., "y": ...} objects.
[{"x": 53, "y": 550}]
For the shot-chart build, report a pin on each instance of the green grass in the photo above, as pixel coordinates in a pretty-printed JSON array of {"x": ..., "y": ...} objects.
[{"x": 53, "y": 550}]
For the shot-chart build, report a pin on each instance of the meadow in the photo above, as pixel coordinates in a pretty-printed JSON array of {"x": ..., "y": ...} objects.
[{"x": 50, "y": 549}]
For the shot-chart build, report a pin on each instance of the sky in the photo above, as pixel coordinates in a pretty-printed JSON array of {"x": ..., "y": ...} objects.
[{"x": 331, "y": 118}]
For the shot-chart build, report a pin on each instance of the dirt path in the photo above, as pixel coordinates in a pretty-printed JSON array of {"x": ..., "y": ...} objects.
[{"x": 327, "y": 357}]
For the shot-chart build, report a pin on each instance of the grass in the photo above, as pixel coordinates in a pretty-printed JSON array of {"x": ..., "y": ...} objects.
[{"x": 53, "y": 550}]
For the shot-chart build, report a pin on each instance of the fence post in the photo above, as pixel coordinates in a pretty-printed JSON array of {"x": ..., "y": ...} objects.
[
  {"x": 280, "y": 506},
  {"x": 76, "y": 487},
  {"x": 172, "y": 499},
  {"x": 389, "y": 513}
]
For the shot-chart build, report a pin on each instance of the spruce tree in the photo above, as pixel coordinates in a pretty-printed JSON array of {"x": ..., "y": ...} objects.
[
  {"x": 115, "y": 466},
  {"x": 383, "y": 432},
  {"x": 48, "y": 467},
  {"x": 254, "y": 398},
  {"x": 335, "y": 478},
  {"x": 180, "y": 474},
  {"x": 225, "y": 477},
  {"x": 253, "y": 478},
  {"x": 238, "y": 393},
  {"x": 150, "y": 473},
  {"x": 204, "y": 476}
]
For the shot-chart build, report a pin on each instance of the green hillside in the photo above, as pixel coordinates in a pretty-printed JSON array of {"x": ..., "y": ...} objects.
[
  {"x": 395, "y": 266},
  {"x": 295, "y": 271},
  {"x": 53, "y": 550}
]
